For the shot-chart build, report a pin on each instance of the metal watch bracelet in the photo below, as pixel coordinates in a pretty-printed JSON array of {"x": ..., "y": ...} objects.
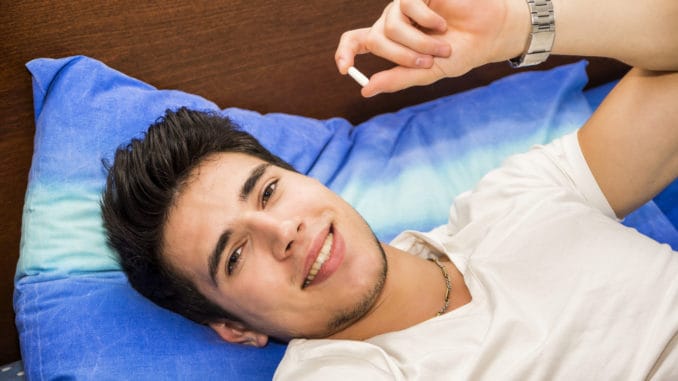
[{"x": 540, "y": 40}]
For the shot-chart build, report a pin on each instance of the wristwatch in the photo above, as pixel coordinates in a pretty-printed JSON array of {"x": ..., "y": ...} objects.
[{"x": 543, "y": 32}]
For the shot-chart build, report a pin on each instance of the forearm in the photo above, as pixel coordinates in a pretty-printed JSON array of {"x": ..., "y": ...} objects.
[{"x": 640, "y": 33}]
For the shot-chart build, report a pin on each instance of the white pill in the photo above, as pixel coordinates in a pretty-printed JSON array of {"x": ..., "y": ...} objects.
[{"x": 358, "y": 76}]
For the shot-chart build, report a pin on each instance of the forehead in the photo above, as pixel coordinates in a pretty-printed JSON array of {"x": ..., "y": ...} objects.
[
  {"x": 228, "y": 168},
  {"x": 215, "y": 182},
  {"x": 204, "y": 204}
]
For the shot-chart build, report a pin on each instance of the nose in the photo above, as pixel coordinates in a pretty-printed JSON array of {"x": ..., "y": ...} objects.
[{"x": 276, "y": 234}]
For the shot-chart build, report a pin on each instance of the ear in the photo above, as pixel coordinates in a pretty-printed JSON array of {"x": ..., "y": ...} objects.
[{"x": 238, "y": 333}]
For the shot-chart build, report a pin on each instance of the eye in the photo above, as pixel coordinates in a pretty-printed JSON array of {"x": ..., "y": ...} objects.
[
  {"x": 233, "y": 260},
  {"x": 268, "y": 193}
]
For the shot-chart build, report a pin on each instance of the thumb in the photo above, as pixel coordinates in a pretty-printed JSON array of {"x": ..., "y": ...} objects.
[{"x": 398, "y": 78}]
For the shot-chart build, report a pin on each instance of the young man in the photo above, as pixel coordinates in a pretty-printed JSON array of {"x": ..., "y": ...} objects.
[{"x": 532, "y": 277}]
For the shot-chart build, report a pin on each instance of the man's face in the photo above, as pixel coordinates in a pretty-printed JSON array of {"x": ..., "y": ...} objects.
[{"x": 273, "y": 247}]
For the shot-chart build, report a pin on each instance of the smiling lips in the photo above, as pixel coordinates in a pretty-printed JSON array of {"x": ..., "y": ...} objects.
[{"x": 323, "y": 255}]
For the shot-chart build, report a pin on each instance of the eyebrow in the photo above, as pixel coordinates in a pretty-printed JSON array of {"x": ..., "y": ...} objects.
[
  {"x": 252, "y": 180},
  {"x": 215, "y": 257},
  {"x": 245, "y": 191}
]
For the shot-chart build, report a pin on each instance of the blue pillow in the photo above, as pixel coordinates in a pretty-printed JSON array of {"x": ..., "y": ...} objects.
[{"x": 76, "y": 314}]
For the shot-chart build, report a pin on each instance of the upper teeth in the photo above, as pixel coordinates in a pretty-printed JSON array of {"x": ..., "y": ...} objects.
[{"x": 322, "y": 257}]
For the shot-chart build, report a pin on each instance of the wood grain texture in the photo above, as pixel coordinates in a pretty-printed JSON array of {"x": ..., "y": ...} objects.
[{"x": 269, "y": 56}]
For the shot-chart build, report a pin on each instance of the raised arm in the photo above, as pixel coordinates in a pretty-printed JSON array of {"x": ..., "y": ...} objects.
[
  {"x": 447, "y": 38},
  {"x": 631, "y": 141},
  {"x": 642, "y": 34}
]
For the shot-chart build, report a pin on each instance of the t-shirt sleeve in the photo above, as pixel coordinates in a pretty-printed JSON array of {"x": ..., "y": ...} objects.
[
  {"x": 544, "y": 172},
  {"x": 565, "y": 153},
  {"x": 335, "y": 360}
]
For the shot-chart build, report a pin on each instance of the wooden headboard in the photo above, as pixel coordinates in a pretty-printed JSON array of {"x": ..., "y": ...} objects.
[{"x": 269, "y": 56}]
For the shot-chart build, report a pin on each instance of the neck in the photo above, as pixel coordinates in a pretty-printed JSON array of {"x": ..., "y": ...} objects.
[{"x": 414, "y": 291}]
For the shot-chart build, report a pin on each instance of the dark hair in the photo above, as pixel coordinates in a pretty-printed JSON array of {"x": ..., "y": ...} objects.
[{"x": 145, "y": 178}]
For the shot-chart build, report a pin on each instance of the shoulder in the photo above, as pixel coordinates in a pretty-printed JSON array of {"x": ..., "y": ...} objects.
[
  {"x": 545, "y": 172},
  {"x": 335, "y": 360}
]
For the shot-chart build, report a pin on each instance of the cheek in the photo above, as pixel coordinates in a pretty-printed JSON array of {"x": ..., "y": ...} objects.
[
  {"x": 365, "y": 268},
  {"x": 311, "y": 191},
  {"x": 367, "y": 260},
  {"x": 261, "y": 287}
]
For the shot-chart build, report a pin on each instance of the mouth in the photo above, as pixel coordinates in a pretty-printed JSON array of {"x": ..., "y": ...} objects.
[{"x": 323, "y": 256}]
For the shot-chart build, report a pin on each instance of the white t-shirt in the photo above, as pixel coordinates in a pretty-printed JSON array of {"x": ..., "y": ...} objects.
[{"x": 560, "y": 290}]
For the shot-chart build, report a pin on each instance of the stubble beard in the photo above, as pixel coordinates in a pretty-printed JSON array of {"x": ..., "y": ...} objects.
[{"x": 350, "y": 315}]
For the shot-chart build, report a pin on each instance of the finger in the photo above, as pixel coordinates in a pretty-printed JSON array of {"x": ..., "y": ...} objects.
[
  {"x": 420, "y": 13},
  {"x": 381, "y": 46},
  {"x": 399, "y": 28},
  {"x": 353, "y": 43},
  {"x": 398, "y": 78},
  {"x": 350, "y": 44},
  {"x": 367, "y": 40}
]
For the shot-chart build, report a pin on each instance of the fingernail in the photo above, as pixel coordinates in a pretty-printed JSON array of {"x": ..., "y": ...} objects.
[
  {"x": 443, "y": 51},
  {"x": 424, "y": 62}
]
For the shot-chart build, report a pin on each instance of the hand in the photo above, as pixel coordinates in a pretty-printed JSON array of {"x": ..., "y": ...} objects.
[{"x": 445, "y": 38}]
